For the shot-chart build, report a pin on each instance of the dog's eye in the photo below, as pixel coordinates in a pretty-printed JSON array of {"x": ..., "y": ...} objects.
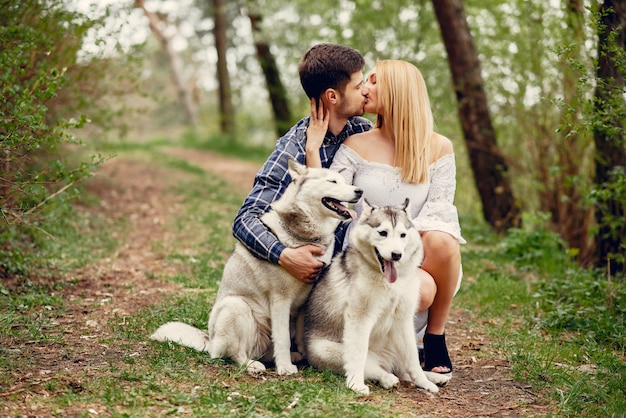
[
  {"x": 403, "y": 235},
  {"x": 382, "y": 233},
  {"x": 332, "y": 181}
]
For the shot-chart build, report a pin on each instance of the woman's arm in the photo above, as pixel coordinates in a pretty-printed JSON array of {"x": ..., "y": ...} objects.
[
  {"x": 318, "y": 126},
  {"x": 439, "y": 212}
]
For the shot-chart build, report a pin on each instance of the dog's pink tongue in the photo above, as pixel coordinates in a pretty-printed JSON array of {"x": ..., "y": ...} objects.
[{"x": 390, "y": 271}]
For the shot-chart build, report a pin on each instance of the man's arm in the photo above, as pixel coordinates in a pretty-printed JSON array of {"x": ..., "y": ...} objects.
[
  {"x": 269, "y": 184},
  {"x": 247, "y": 226}
]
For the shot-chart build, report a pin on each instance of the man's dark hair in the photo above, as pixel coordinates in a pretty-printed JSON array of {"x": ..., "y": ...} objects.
[{"x": 328, "y": 66}]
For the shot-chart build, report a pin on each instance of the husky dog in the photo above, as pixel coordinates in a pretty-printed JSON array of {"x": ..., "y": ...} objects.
[
  {"x": 257, "y": 300},
  {"x": 359, "y": 316}
]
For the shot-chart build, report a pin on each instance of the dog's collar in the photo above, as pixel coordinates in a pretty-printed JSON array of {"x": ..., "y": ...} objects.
[{"x": 296, "y": 236}]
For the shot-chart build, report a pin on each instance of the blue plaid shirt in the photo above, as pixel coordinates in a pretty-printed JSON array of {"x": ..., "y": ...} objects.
[{"x": 272, "y": 179}]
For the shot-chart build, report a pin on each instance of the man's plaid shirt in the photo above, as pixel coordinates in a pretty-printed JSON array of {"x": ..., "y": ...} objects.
[{"x": 272, "y": 179}]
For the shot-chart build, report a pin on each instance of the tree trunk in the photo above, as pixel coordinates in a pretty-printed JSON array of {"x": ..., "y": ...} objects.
[
  {"x": 562, "y": 196},
  {"x": 276, "y": 89},
  {"x": 227, "y": 113},
  {"x": 609, "y": 137},
  {"x": 185, "y": 94},
  {"x": 500, "y": 209}
]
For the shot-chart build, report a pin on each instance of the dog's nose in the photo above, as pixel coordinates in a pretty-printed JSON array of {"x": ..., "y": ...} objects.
[
  {"x": 396, "y": 256},
  {"x": 358, "y": 192}
]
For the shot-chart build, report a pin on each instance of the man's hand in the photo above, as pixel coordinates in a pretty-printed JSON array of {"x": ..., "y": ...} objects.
[{"x": 301, "y": 263}]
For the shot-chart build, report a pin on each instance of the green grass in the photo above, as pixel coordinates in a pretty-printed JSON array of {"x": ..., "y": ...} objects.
[
  {"x": 232, "y": 147},
  {"x": 562, "y": 328},
  {"x": 224, "y": 145},
  {"x": 41, "y": 249}
]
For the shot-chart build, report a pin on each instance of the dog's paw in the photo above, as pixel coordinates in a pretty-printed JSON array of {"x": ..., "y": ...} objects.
[
  {"x": 361, "y": 389},
  {"x": 428, "y": 385},
  {"x": 286, "y": 369},
  {"x": 388, "y": 381},
  {"x": 358, "y": 386},
  {"x": 254, "y": 367},
  {"x": 438, "y": 378}
]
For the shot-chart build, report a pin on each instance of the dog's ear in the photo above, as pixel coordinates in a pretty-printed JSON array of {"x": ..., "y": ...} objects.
[
  {"x": 406, "y": 206},
  {"x": 367, "y": 208},
  {"x": 295, "y": 168}
]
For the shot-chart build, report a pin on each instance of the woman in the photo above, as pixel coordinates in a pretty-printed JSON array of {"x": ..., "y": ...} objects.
[{"x": 403, "y": 157}]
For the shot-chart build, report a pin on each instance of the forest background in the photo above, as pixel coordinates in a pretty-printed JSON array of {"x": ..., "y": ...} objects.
[{"x": 530, "y": 92}]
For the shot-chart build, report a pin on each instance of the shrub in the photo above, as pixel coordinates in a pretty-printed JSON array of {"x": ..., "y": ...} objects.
[{"x": 39, "y": 44}]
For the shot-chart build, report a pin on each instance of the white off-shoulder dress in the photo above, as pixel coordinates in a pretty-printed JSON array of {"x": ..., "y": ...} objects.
[{"x": 431, "y": 203}]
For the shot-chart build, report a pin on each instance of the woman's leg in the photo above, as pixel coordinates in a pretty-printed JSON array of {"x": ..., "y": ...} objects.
[
  {"x": 442, "y": 260},
  {"x": 428, "y": 290}
]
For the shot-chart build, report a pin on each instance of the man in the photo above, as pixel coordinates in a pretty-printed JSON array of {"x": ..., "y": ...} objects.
[{"x": 333, "y": 74}]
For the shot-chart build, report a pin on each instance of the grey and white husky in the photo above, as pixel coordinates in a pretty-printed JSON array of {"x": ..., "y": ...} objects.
[
  {"x": 359, "y": 316},
  {"x": 257, "y": 300}
]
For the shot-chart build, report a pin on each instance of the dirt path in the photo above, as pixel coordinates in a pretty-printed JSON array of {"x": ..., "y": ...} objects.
[{"x": 114, "y": 288}]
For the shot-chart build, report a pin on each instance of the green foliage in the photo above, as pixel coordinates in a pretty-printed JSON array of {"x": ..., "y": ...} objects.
[
  {"x": 608, "y": 199},
  {"x": 40, "y": 247},
  {"x": 572, "y": 298},
  {"x": 608, "y": 119},
  {"x": 581, "y": 301},
  {"x": 43, "y": 100},
  {"x": 534, "y": 247},
  {"x": 562, "y": 327}
]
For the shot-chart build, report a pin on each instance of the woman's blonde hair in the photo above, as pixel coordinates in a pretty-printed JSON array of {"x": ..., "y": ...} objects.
[{"x": 405, "y": 115}]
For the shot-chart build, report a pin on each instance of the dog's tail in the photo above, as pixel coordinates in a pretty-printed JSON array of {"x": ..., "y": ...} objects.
[{"x": 182, "y": 334}]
